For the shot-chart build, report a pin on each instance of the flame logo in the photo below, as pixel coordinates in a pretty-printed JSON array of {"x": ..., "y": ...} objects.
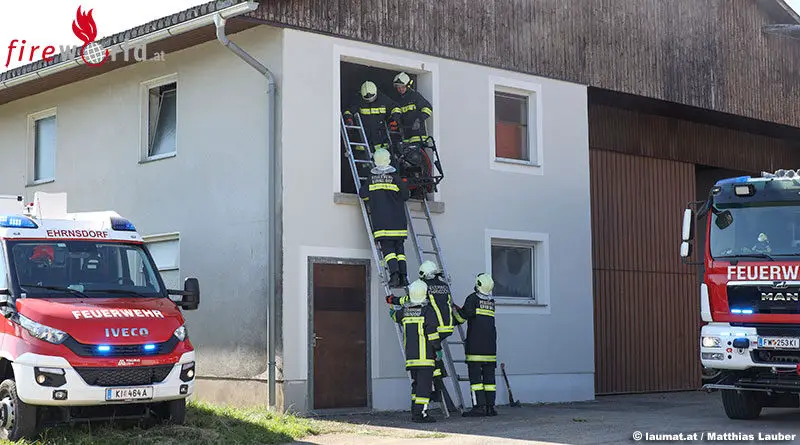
[{"x": 84, "y": 27}]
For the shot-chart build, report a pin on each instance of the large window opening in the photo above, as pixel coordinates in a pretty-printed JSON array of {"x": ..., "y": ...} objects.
[{"x": 376, "y": 116}]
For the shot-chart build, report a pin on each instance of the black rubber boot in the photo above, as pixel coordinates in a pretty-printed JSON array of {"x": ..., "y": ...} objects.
[
  {"x": 418, "y": 416},
  {"x": 394, "y": 281},
  {"x": 490, "y": 411},
  {"x": 476, "y": 411}
]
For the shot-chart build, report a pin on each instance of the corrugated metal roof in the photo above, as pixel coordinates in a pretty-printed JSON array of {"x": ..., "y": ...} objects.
[{"x": 147, "y": 28}]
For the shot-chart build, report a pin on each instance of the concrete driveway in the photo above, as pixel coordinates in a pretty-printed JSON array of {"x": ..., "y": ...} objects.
[{"x": 607, "y": 420}]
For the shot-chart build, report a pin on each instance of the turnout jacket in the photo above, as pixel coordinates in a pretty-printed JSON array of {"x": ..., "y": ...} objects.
[
  {"x": 440, "y": 301},
  {"x": 420, "y": 339},
  {"x": 481, "y": 343},
  {"x": 386, "y": 193},
  {"x": 414, "y": 106},
  {"x": 373, "y": 115}
]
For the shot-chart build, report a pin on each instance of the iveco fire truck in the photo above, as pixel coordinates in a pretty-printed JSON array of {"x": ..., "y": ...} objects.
[
  {"x": 750, "y": 290},
  {"x": 89, "y": 330}
]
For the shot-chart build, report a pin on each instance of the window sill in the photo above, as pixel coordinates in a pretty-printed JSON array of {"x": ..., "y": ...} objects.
[
  {"x": 158, "y": 157},
  {"x": 516, "y": 162},
  {"x": 518, "y": 301},
  {"x": 40, "y": 182},
  {"x": 516, "y": 166},
  {"x": 416, "y": 205}
]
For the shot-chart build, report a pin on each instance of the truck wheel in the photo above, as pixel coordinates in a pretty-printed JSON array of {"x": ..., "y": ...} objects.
[
  {"x": 17, "y": 418},
  {"x": 741, "y": 405},
  {"x": 173, "y": 412}
]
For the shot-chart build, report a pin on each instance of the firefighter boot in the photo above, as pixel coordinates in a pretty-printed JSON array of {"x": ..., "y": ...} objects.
[
  {"x": 490, "y": 411},
  {"x": 419, "y": 414},
  {"x": 394, "y": 280},
  {"x": 478, "y": 404}
]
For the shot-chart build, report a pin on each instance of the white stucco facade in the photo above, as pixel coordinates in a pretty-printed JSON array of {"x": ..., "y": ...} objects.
[
  {"x": 213, "y": 193},
  {"x": 547, "y": 348}
]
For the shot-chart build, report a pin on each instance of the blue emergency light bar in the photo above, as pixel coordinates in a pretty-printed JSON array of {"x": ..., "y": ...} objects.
[
  {"x": 122, "y": 224},
  {"x": 736, "y": 180},
  {"x": 103, "y": 348},
  {"x": 741, "y": 311},
  {"x": 149, "y": 347},
  {"x": 16, "y": 221}
]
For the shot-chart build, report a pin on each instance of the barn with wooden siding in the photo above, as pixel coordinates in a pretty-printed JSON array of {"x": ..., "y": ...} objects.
[{"x": 572, "y": 133}]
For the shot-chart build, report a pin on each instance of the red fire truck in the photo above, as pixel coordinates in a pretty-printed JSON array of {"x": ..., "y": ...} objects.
[
  {"x": 89, "y": 329},
  {"x": 749, "y": 291}
]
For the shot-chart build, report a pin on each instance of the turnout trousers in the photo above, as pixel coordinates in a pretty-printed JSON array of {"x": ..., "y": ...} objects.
[
  {"x": 421, "y": 385},
  {"x": 393, "y": 250},
  {"x": 482, "y": 382}
]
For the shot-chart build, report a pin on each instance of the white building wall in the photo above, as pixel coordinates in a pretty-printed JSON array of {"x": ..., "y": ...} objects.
[
  {"x": 548, "y": 349},
  {"x": 213, "y": 192}
]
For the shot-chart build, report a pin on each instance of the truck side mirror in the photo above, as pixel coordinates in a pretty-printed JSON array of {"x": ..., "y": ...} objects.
[
  {"x": 687, "y": 233},
  {"x": 191, "y": 295},
  {"x": 190, "y": 299},
  {"x": 686, "y": 249}
]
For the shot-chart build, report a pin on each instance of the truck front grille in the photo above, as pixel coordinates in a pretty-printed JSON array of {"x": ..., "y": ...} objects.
[
  {"x": 775, "y": 357},
  {"x": 133, "y": 376},
  {"x": 85, "y": 350},
  {"x": 764, "y": 299}
]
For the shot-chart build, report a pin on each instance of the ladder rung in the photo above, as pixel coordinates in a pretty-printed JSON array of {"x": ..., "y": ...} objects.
[
  {"x": 432, "y": 252},
  {"x": 362, "y": 161},
  {"x": 419, "y": 217},
  {"x": 359, "y": 144},
  {"x": 426, "y": 234},
  {"x": 353, "y": 126},
  {"x": 463, "y": 379}
]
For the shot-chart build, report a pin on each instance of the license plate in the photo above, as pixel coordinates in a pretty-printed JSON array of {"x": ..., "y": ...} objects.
[
  {"x": 779, "y": 342},
  {"x": 139, "y": 393}
]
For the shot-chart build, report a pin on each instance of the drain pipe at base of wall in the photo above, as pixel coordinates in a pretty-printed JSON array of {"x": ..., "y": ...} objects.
[{"x": 274, "y": 257}]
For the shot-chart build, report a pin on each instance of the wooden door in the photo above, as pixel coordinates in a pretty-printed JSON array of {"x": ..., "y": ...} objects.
[{"x": 339, "y": 336}]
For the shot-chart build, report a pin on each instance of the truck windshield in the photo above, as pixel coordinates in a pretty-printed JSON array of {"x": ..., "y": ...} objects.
[
  {"x": 761, "y": 231},
  {"x": 82, "y": 269}
]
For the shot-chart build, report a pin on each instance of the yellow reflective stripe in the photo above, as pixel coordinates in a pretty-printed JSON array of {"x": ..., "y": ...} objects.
[
  {"x": 413, "y": 397},
  {"x": 394, "y": 110},
  {"x": 434, "y": 336},
  {"x": 391, "y": 256},
  {"x": 424, "y": 362},
  {"x": 481, "y": 358},
  {"x": 422, "y": 400},
  {"x": 401, "y": 257},
  {"x": 380, "y": 233},
  {"x": 476, "y": 387},
  {"x": 346, "y": 112},
  {"x": 427, "y": 111},
  {"x": 488, "y": 387},
  {"x": 458, "y": 317},
  {"x": 437, "y": 372},
  {"x": 368, "y": 111},
  {"x": 409, "y": 107},
  {"x": 378, "y": 146},
  {"x": 407, "y": 320},
  {"x": 487, "y": 312},
  {"x": 421, "y": 335},
  {"x": 384, "y": 186},
  {"x": 445, "y": 328},
  {"x": 414, "y": 139}
]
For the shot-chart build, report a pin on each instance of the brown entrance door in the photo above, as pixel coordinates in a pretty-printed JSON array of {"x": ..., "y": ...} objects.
[{"x": 339, "y": 336}]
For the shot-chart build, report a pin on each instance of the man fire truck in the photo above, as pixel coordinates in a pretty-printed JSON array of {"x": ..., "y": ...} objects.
[
  {"x": 90, "y": 329},
  {"x": 749, "y": 291}
]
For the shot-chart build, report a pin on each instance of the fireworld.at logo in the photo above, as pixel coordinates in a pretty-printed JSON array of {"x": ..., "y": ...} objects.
[{"x": 91, "y": 52}]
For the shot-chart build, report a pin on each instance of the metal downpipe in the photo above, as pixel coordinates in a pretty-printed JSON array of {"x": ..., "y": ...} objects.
[{"x": 274, "y": 257}]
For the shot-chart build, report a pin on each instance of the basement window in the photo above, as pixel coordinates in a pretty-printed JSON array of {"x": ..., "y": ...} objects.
[{"x": 159, "y": 118}]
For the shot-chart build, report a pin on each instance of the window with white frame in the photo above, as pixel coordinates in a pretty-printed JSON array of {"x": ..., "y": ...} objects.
[
  {"x": 159, "y": 118},
  {"x": 516, "y": 127},
  {"x": 518, "y": 262},
  {"x": 165, "y": 250},
  {"x": 42, "y": 130}
]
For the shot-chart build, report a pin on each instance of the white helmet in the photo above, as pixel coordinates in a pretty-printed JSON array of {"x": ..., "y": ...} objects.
[
  {"x": 417, "y": 292},
  {"x": 484, "y": 283},
  {"x": 428, "y": 269},
  {"x": 369, "y": 91},
  {"x": 382, "y": 157},
  {"x": 402, "y": 79}
]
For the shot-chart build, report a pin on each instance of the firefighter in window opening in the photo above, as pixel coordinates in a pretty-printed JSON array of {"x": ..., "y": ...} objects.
[
  {"x": 415, "y": 109},
  {"x": 386, "y": 194},
  {"x": 442, "y": 303},
  {"x": 762, "y": 244},
  {"x": 376, "y": 110},
  {"x": 480, "y": 347},
  {"x": 418, "y": 319}
]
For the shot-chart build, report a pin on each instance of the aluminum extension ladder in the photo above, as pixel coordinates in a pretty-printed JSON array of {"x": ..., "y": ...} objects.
[
  {"x": 383, "y": 271},
  {"x": 436, "y": 251}
]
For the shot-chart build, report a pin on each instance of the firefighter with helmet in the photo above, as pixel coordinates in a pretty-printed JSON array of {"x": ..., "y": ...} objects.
[
  {"x": 480, "y": 347},
  {"x": 422, "y": 347},
  {"x": 442, "y": 303},
  {"x": 414, "y": 107},
  {"x": 377, "y": 110},
  {"x": 385, "y": 194}
]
